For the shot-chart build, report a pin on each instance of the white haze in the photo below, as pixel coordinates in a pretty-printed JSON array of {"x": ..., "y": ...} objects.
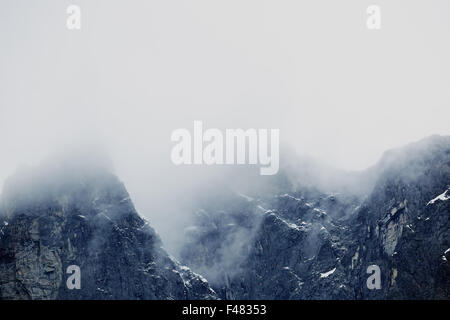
[{"x": 137, "y": 70}]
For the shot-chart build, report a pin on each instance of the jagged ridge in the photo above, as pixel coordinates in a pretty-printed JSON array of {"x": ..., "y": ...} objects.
[{"x": 54, "y": 217}]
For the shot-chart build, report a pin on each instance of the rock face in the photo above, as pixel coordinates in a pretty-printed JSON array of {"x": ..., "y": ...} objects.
[
  {"x": 58, "y": 217},
  {"x": 304, "y": 243},
  {"x": 297, "y": 241},
  {"x": 407, "y": 225}
]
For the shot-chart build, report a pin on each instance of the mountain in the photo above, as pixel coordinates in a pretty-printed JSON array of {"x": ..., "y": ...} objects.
[
  {"x": 308, "y": 233},
  {"x": 310, "y": 243},
  {"x": 64, "y": 215}
]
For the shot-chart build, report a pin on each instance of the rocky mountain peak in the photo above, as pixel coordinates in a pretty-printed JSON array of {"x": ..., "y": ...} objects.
[
  {"x": 295, "y": 239},
  {"x": 54, "y": 218}
]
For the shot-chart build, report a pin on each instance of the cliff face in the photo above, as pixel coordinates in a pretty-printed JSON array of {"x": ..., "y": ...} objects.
[
  {"x": 404, "y": 226},
  {"x": 297, "y": 242},
  {"x": 307, "y": 244},
  {"x": 85, "y": 219}
]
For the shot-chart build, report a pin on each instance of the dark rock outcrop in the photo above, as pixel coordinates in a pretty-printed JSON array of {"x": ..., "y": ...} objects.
[
  {"x": 292, "y": 241},
  {"x": 57, "y": 217},
  {"x": 310, "y": 244}
]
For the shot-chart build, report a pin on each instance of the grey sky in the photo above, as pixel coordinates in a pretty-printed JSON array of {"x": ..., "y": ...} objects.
[{"x": 139, "y": 69}]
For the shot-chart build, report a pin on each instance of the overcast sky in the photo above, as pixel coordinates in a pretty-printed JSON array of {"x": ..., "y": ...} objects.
[{"x": 137, "y": 70}]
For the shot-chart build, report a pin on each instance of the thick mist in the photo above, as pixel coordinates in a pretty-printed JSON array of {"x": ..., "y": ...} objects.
[{"x": 137, "y": 70}]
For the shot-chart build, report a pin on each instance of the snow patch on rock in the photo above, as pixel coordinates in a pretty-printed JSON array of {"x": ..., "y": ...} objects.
[
  {"x": 326, "y": 274},
  {"x": 442, "y": 197}
]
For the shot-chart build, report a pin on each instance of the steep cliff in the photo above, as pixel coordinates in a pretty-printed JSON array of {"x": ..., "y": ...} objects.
[
  {"x": 295, "y": 240},
  {"x": 56, "y": 217},
  {"x": 305, "y": 243}
]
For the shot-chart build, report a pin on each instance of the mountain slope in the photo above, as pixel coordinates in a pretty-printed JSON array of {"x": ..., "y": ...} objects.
[
  {"x": 289, "y": 240},
  {"x": 53, "y": 218},
  {"x": 309, "y": 244}
]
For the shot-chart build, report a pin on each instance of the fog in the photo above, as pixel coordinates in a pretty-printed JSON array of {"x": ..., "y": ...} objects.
[{"x": 137, "y": 70}]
